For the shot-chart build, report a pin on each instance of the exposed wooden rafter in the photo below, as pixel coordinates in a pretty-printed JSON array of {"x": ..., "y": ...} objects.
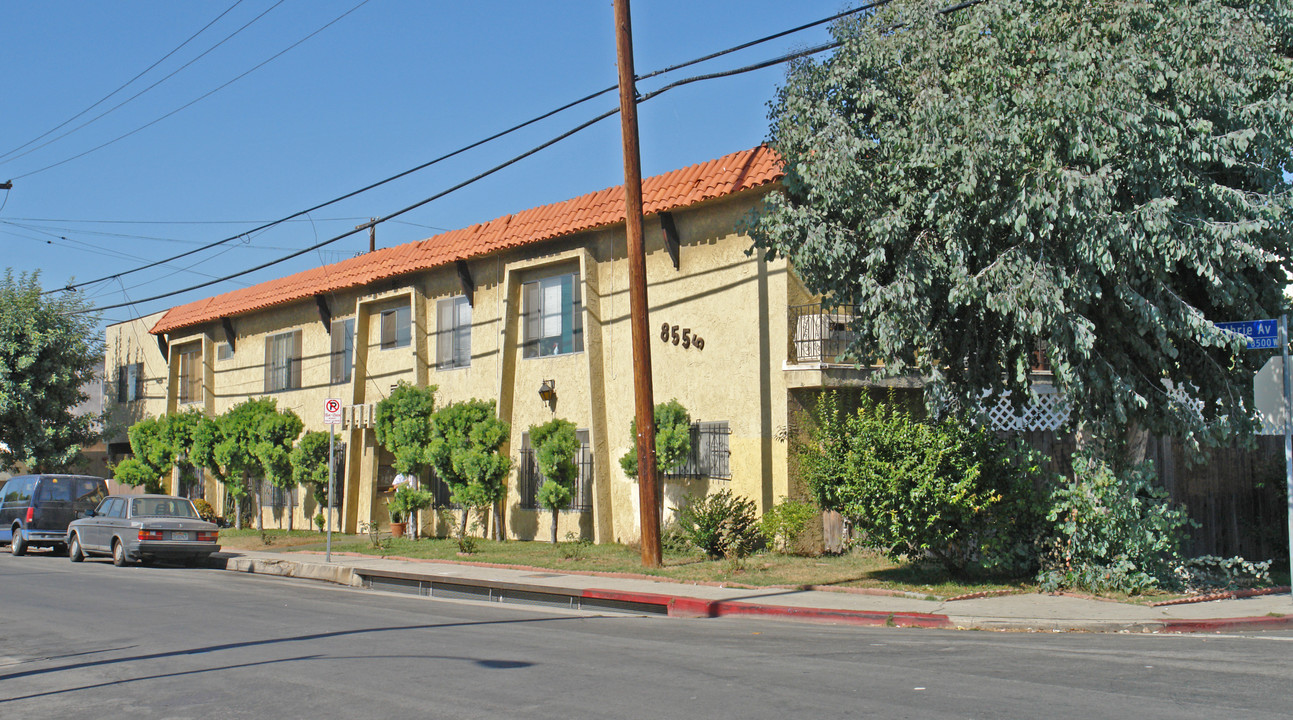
[
  {"x": 468, "y": 285},
  {"x": 671, "y": 242}
]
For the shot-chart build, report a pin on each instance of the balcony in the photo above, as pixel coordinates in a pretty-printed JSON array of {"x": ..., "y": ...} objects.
[{"x": 820, "y": 336}]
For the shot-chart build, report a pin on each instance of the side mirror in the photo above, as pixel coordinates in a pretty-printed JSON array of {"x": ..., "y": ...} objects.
[{"x": 87, "y": 513}]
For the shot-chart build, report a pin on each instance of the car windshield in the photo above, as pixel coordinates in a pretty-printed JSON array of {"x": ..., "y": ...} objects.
[{"x": 162, "y": 507}]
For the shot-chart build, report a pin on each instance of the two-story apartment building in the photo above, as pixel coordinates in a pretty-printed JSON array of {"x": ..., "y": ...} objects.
[{"x": 527, "y": 302}]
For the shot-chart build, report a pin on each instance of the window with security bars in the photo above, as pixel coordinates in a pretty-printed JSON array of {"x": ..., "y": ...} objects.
[
  {"x": 453, "y": 333},
  {"x": 273, "y": 496},
  {"x": 342, "y": 357},
  {"x": 709, "y": 456},
  {"x": 130, "y": 382},
  {"x": 283, "y": 361},
  {"x": 529, "y": 479},
  {"x": 190, "y": 376}
]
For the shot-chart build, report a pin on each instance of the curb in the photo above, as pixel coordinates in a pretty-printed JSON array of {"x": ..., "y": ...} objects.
[{"x": 682, "y": 606}]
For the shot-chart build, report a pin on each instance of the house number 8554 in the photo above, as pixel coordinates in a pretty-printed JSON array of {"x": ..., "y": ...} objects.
[{"x": 683, "y": 337}]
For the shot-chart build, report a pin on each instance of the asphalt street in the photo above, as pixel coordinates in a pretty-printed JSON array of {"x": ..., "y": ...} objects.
[{"x": 95, "y": 641}]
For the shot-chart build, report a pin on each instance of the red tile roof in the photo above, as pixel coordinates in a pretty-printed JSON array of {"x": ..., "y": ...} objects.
[{"x": 717, "y": 178}]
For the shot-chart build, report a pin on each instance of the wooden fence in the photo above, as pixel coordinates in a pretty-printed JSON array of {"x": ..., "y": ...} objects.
[{"x": 1237, "y": 495}]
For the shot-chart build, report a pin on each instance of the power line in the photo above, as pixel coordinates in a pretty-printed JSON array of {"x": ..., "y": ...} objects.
[
  {"x": 459, "y": 186},
  {"x": 471, "y": 146},
  {"x": 748, "y": 68},
  {"x": 200, "y": 98},
  {"x": 126, "y": 84}
]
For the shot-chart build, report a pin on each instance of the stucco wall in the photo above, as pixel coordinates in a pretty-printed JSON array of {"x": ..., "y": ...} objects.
[{"x": 733, "y": 300}]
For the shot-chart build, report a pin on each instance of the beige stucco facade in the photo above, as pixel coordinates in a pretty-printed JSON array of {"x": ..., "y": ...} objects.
[{"x": 733, "y": 300}]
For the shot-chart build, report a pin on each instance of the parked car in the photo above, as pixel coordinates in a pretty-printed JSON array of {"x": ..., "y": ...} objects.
[
  {"x": 35, "y": 509},
  {"x": 142, "y": 528}
]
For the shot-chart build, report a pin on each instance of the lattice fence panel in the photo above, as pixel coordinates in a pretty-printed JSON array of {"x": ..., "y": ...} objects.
[{"x": 1045, "y": 412}]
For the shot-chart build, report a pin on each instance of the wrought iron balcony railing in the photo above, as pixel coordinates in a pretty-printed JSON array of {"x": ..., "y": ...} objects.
[{"x": 821, "y": 336}]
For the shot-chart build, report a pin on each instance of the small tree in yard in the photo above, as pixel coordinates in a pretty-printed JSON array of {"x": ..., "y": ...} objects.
[
  {"x": 464, "y": 450},
  {"x": 672, "y": 439},
  {"x": 254, "y": 444},
  {"x": 154, "y": 456},
  {"x": 206, "y": 436},
  {"x": 310, "y": 468},
  {"x": 555, "y": 443},
  {"x": 403, "y": 427}
]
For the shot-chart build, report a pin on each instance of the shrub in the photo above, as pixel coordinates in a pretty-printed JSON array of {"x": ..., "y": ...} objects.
[
  {"x": 205, "y": 511},
  {"x": 784, "y": 522},
  {"x": 722, "y": 524},
  {"x": 408, "y": 500},
  {"x": 1209, "y": 572},
  {"x": 949, "y": 489},
  {"x": 1111, "y": 531}
]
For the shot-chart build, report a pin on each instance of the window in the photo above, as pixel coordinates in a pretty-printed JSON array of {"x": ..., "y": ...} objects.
[
  {"x": 529, "y": 479},
  {"x": 710, "y": 456},
  {"x": 554, "y": 323},
  {"x": 190, "y": 376},
  {"x": 453, "y": 333},
  {"x": 343, "y": 350},
  {"x": 283, "y": 361},
  {"x": 224, "y": 351},
  {"x": 130, "y": 382},
  {"x": 395, "y": 328},
  {"x": 273, "y": 496}
]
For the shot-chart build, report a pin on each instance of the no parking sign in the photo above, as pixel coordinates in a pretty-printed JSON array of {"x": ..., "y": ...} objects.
[{"x": 332, "y": 411}]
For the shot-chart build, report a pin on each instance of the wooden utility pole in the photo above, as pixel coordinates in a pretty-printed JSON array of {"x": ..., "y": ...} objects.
[
  {"x": 372, "y": 233},
  {"x": 648, "y": 481}
]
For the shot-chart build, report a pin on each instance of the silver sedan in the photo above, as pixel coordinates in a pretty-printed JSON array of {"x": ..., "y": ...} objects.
[{"x": 142, "y": 528}]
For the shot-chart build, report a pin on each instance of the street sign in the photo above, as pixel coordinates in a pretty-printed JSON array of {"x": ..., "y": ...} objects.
[
  {"x": 332, "y": 411},
  {"x": 1261, "y": 334}
]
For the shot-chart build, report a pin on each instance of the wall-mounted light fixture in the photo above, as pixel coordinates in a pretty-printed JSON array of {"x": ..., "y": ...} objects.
[{"x": 548, "y": 390}]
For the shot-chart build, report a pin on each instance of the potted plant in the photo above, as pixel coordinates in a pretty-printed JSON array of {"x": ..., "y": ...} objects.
[{"x": 406, "y": 501}]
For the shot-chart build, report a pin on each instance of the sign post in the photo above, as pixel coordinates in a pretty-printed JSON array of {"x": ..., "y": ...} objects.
[
  {"x": 1288, "y": 426},
  {"x": 331, "y": 418},
  {"x": 1267, "y": 335}
]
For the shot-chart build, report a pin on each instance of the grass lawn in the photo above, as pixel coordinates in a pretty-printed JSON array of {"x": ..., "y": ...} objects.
[{"x": 858, "y": 569}]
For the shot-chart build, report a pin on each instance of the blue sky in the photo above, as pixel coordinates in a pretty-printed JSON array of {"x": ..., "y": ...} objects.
[{"x": 391, "y": 85}]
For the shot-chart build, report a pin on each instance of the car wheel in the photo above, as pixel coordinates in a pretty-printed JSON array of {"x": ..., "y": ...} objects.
[
  {"x": 74, "y": 552},
  {"x": 19, "y": 544},
  {"x": 118, "y": 553}
]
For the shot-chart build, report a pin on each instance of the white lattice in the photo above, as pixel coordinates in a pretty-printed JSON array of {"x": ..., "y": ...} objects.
[{"x": 1044, "y": 412}]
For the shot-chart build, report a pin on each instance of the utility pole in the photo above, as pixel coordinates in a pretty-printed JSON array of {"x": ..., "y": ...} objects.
[
  {"x": 372, "y": 233},
  {"x": 648, "y": 481}
]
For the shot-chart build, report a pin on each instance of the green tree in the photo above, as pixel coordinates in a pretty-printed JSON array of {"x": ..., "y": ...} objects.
[
  {"x": 49, "y": 350},
  {"x": 672, "y": 439},
  {"x": 310, "y": 466},
  {"x": 179, "y": 432},
  {"x": 251, "y": 442},
  {"x": 464, "y": 450},
  {"x": 154, "y": 456},
  {"x": 555, "y": 444},
  {"x": 1101, "y": 180},
  {"x": 403, "y": 427},
  {"x": 275, "y": 434}
]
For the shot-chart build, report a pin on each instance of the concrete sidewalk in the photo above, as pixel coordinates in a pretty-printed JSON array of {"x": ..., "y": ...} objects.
[{"x": 1025, "y": 612}]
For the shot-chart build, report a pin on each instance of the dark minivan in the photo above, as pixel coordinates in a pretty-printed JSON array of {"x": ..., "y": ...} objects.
[{"x": 35, "y": 509}]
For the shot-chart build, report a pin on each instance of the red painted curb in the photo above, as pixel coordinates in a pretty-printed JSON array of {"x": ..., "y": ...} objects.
[
  {"x": 700, "y": 608},
  {"x": 1284, "y": 622}
]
